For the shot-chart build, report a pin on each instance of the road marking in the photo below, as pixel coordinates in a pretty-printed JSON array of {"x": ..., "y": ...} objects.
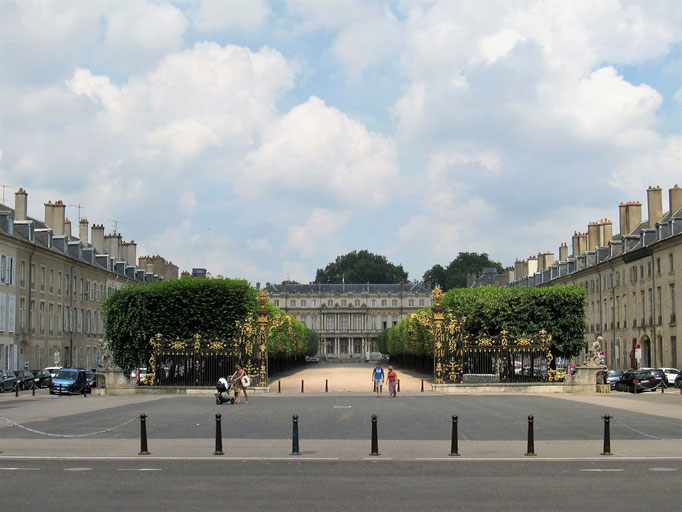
[
  {"x": 20, "y": 469},
  {"x": 374, "y": 457},
  {"x": 662, "y": 469},
  {"x": 77, "y": 469},
  {"x": 342, "y": 406},
  {"x": 602, "y": 470},
  {"x": 140, "y": 469}
]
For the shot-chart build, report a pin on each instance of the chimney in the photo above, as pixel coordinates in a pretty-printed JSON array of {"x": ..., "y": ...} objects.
[
  {"x": 520, "y": 269},
  {"x": 545, "y": 260},
  {"x": 606, "y": 232},
  {"x": 49, "y": 215},
  {"x": 674, "y": 196},
  {"x": 112, "y": 245},
  {"x": 592, "y": 236},
  {"x": 563, "y": 251},
  {"x": 97, "y": 232},
  {"x": 67, "y": 229},
  {"x": 654, "y": 200},
  {"x": 59, "y": 213},
  {"x": 532, "y": 266},
  {"x": 575, "y": 244},
  {"x": 633, "y": 215},
  {"x": 623, "y": 219},
  {"x": 21, "y": 203},
  {"x": 129, "y": 252},
  {"x": 83, "y": 231}
]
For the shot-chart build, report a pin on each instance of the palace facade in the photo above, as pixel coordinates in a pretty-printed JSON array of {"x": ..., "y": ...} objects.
[{"x": 349, "y": 317}]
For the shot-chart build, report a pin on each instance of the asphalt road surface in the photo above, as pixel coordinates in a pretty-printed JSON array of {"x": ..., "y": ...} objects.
[
  {"x": 337, "y": 485},
  {"x": 346, "y": 417}
]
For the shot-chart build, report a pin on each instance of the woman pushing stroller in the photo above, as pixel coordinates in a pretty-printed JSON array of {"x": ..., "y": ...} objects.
[{"x": 238, "y": 379}]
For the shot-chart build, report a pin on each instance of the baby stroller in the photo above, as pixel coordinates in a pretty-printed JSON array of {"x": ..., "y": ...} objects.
[{"x": 224, "y": 394}]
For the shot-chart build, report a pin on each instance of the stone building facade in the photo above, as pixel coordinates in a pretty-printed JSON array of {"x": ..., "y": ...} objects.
[
  {"x": 53, "y": 285},
  {"x": 631, "y": 281},
  {"x": 349, "y": 317}
]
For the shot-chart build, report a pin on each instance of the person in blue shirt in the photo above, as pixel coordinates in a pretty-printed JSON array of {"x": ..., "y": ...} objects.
[{"x": 378, "y": 378}]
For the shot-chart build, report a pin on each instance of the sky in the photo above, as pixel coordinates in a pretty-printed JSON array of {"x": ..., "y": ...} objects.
[{"x": 261, "y": 139}]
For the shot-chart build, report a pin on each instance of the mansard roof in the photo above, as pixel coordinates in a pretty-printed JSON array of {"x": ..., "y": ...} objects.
[{"x": 348, "y": 288}]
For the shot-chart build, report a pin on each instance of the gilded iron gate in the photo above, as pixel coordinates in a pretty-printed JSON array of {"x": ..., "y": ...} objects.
[
  {"x": 460, "y": 357},
  {"x": 201, "y": 362}
]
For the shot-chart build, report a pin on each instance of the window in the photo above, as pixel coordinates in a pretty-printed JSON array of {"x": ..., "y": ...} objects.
[
  {"x": 384, "y": 322},
  {"x": 343, "y": 303},
  {"x": 313, "y": 303},
  {"x": 641, "y": 271},
  {"x": 383, "y": 303},
  {"x": 31, "y": 316},
  {"x": 276, "y": 303},
  {"x": 330, "y": 322},
  {"x": 82, "y": 289},
  {"x": 51, "y": 281},
  {"x": 374, "y": 303},
  {"x": 33, "y": 277},
  {"x": 394, "y": 303},
  {"x": 344, "y": 322},
  {"x": 410, "y": 303},
  {"x": 357, "y": 303},
  {"x": 50, "y": 314},
  {"x": 313, "y": 322},
  {"x": 670, "y": 262},
  {"x": 658, "y": 266},
  {"x": 59, "y": 283},
  {"x": 303, "y": 304},
  {"x": 672, "y": 303},
  {"x": 292, "y": 303},
  {"x": 373, "y": 322},
  {"x": 22, "y": 273},
  {"x": 41, "y": 318},
  {"x": 66, "y": 285},
  {"x": 648, "y": 269},
  {"x": 421, "y": 302},
  {"x": 330, "y": 303},
  {"x": 357, "y": 322},
  {"x": 395, "y": 320},
  {"x": 22, "y": 308},
  {"x": 42, "y": 279},
  {"x": 303, "y": 320},
  {"x": 59, "y": 319},
  {"x": 3, "y": 311}
]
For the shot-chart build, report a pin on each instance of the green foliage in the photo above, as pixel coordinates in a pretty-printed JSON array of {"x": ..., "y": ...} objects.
[
  {"x": 455, "y": 275},
  {"x": 559, "y": 310},
  {"x": 361, "y": 267},
  {"x": 180, "y": 309}
]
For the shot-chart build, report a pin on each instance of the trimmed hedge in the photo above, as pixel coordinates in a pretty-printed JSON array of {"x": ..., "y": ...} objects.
[
  {"x": 559, "y": 310},
  {"x": 185, "y": 307}
]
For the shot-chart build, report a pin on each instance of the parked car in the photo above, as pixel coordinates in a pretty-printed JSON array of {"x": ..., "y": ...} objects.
[
  {"x": 53, "y": 370},
  {"x": 42, "y": 378},
  {"x": 312, "y": 359},
  {"x": 670, "y": 375},
  {"x": 91, "y": 377},
  {"x": 611, "y": 377},
  {"x": 69, "y": 381},
  {"x": 25, "y": 379},
  {"x": 658, "y": 373},
  {"x": 639, "y": 380},
  {"x": 7, "y": 380}
]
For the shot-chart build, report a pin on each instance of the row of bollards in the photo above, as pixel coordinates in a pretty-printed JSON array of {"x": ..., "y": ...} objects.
[
  {"x": 326, "y": 386},
  {"x": 374, "y": 448}
]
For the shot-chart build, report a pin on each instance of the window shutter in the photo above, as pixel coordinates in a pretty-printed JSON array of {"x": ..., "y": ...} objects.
[
  {"x": 11, "y": 313},
  {"x": 3, "y": 311}
]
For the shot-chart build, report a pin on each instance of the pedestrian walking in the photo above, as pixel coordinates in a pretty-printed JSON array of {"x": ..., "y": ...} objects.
[
  {"x": 392, "y": 381},
  {"x": 378, "y": 378},
  {"x": 238, "y": 379}
]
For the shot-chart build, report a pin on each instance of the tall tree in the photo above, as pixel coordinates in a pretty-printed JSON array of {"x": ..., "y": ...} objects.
[
  {"x": 455, "y": 274},
  {"x": 361, "y": 267}
]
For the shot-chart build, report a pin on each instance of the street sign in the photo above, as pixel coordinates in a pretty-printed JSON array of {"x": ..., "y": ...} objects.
[
  {"x": 638, "y": 354},
  {"x": 559, "y": 360},
  {"x": 638, "y": 346}
]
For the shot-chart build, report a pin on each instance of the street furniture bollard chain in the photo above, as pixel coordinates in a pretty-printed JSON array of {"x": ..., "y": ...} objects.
[
  {"x": 375, "y": 440},
  {"x": 143, "y": 435},
  {"x": 294, "y": 436},
  {"x": 218, "y": 435},
  {"x": 454, "y": 448},
  {"x": 607, "y": 435},
  {"x": 530, "y": 451}
]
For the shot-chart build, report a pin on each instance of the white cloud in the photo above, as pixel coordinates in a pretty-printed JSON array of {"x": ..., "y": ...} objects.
[
  {"x": 316, "y": 148},
  {"x": 678, "y": 95},
  {"x": 316, "y": 234},
  {"x": 212, "y": 15}
]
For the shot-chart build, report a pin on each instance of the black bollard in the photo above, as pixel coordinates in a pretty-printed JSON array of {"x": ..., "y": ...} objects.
[
  {"x": 301, "y": 385},
  {"x": 294, "y": 436},
  {"x": 375, "y": 440},
  {"x": 33, "y": 389},
  {"x": 143, "y": 435},
  {"x": 531, "y": 441},
  {"x": 279, "y": 386},
  {"x": 607, "y": 435},
  {"x": 16, "y": 389},
  {"x": 326, "y": 385},
  {"x": 662, "y": 388},
  {"x": 422, "y": 385},
  {"x": 218, "y": 435},
  {"x": 398, "y": 385},
  {"x": 454, "y": 448},
  {"x": 85, "y": 391}
]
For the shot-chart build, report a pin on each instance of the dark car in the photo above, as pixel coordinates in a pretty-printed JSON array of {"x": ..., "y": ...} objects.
[
  {"x": 42, "y": 378},
  {"x": 659, "y": 374},
  {"x": 637, "y": 380},
  {"x": 7, "y": 380},
  {"x": 611, "y": 377},
  {"x": 678, "y": 380},
  {"x": 91, "y": 377},
  {"x": 69, "y": 381},
  {"x": 25, "y": 379}
]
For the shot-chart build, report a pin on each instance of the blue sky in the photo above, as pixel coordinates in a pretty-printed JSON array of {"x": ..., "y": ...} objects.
[{"x": 262, "y": 139}]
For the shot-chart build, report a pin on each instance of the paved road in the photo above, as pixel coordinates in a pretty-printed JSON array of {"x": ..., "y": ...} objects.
[
  {"x": 448, "y": 484},
  {"x": 420, "y": 417}
]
